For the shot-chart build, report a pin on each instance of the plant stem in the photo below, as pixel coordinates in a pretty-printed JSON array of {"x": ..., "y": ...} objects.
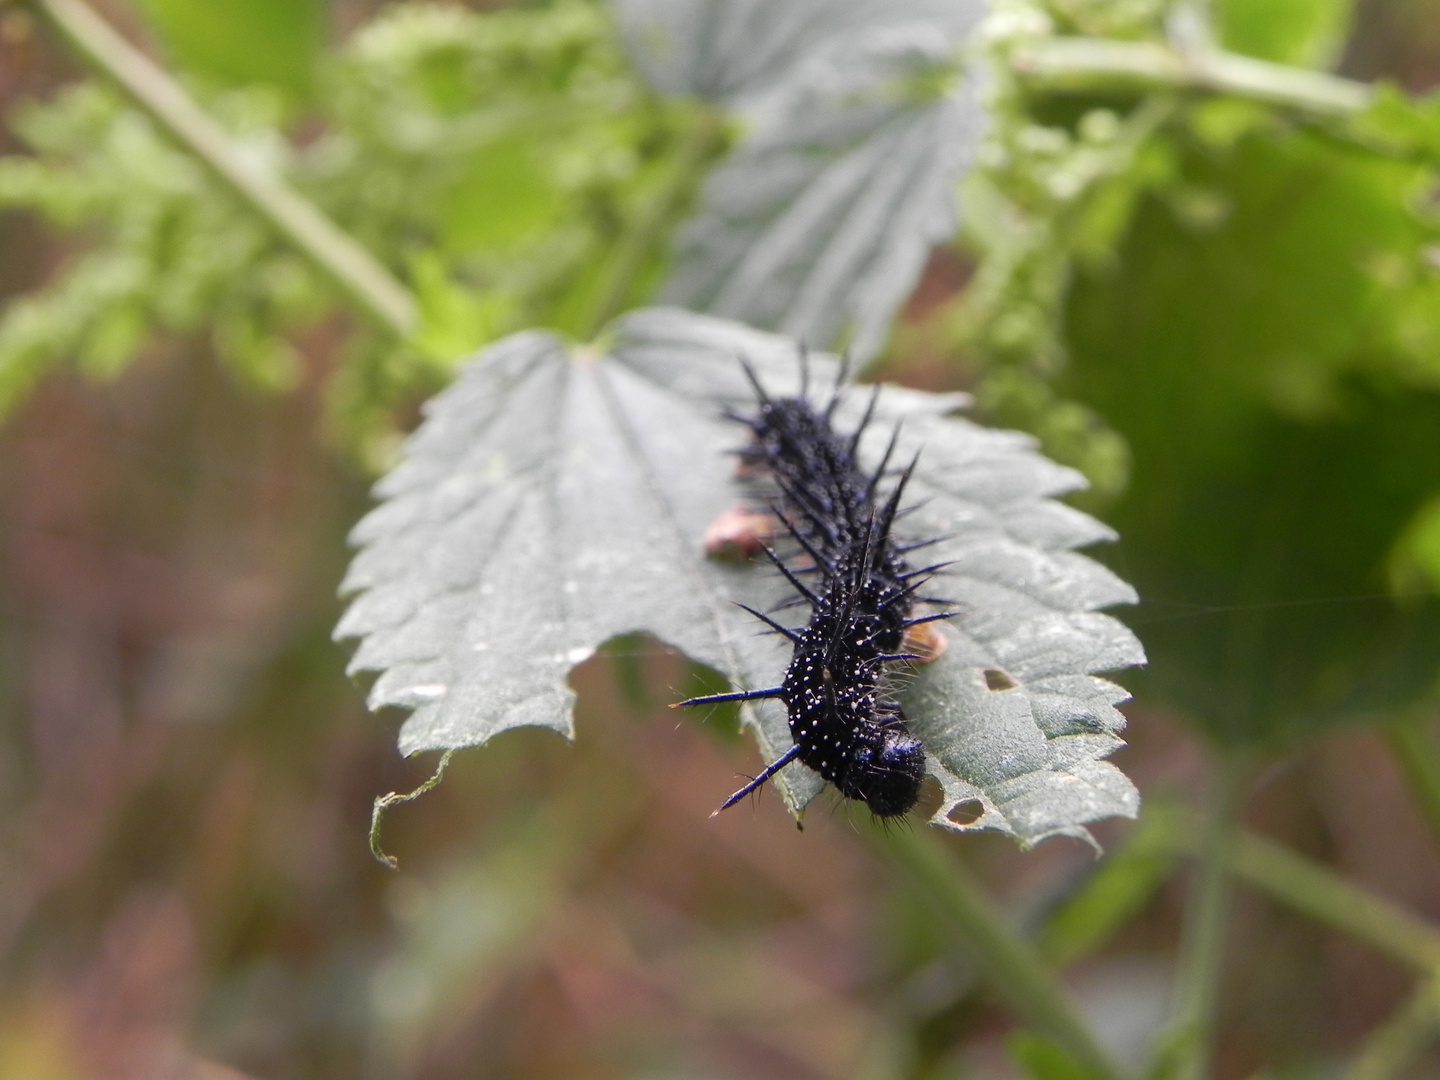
[
  {"x": 1079, "y": 63},
  {"x": 1395, "y": 1044},
  {"x": 1012, "y": 964},
  {"x": 357, "y": 273},
  {"x": 384, "y": 802},
  {"x": 1188, "y": 1045},
  {"x": 1418, "y": 755},
  {"x": 1322, "y": 894},
  {"x": 653, "y": 222}
]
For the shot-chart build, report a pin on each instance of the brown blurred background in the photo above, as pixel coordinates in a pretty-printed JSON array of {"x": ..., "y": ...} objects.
[{"x": 186, "y": 778}]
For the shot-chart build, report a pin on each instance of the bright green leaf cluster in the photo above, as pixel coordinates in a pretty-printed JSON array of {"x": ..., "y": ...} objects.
[
  {"x": 508, "y": 153},
  {"x": 1055, "y": 187},
  {"x": 173, "y": 254},
  {"x": 494, "y": 161}
]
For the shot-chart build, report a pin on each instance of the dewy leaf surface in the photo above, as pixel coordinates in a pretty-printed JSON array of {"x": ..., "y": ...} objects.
[
  {"x": 555, "y": 498},
  {"x": 819, "y": 224}
]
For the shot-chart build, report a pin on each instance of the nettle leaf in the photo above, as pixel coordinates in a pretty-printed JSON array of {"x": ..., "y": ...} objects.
[
  {"x": 557, "y": 497},
  {"x": 733, "y": 50},
  {"x": 819, "y": 224}
]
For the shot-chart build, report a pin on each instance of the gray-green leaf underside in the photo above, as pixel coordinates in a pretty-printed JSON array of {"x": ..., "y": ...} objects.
[
  {"x": 556, "y": 498},
  {"x": 819, "y": 224},
  {"x": 735, "y": 50}
]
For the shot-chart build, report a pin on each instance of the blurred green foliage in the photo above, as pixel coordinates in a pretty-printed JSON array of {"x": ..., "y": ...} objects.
[
  {"x": 493, "y": 161},
  {"x": 1119, "y": 888},
  {"x": 275, "y": 43},
  {"x": 1274, "y": 370},
  {"x": 1251, "y": 302},
  {"x": 171, "y": 250},
  {"x": 1309, "y": 33}
]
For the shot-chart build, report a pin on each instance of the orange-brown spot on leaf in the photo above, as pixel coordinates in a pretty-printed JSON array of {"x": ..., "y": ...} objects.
[
  {"x": 739, "y": 533},
  {"x": 926, "y": 641}
]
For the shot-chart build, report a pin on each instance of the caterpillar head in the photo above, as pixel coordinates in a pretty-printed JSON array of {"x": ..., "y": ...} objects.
[{"x": 889, "y": 784}]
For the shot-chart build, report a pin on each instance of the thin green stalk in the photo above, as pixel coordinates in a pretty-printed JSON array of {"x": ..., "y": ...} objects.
[
  {"x": 1325, "y": 896},
  {"x": 358, "y": 273},
  {"x": 1087, "y": 64},
  {"x": 639, "y": 242},
  {"x": 1186, "y": 1050},
  {"x": 1418, "y": 755},
  {"x": 1012, "y": 964},
  {"x": 1395, "y": 1044}
]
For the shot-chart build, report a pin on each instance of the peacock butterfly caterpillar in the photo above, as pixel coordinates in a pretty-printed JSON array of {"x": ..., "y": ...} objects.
[{"x": 853, "y": 575}]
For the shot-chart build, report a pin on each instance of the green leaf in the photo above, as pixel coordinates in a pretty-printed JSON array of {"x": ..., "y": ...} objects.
[
  {"x": 1400, "y": 124},
  {"x": 503, "y": 197},
  {"x": 557, "y": 498},
  {"x": 1309, "y": 33},
  {"x": 820, "y": 222},
  {"x": 455, "y": 321},
  {"x": 1414, "y": 562},
  {"x": 243, "y": 41},
  {"x": 734, "y": 50}
]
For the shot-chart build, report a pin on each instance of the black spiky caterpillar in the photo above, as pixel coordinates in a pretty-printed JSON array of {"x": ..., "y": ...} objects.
[{"x": 844, "y": 724}]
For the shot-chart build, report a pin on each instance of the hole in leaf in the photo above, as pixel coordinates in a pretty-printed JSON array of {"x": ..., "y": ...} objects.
[
  {"x": 932, "y": 797},
  {"x": 967, "y": 812},
  {"x": 995, "y": 679}
]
